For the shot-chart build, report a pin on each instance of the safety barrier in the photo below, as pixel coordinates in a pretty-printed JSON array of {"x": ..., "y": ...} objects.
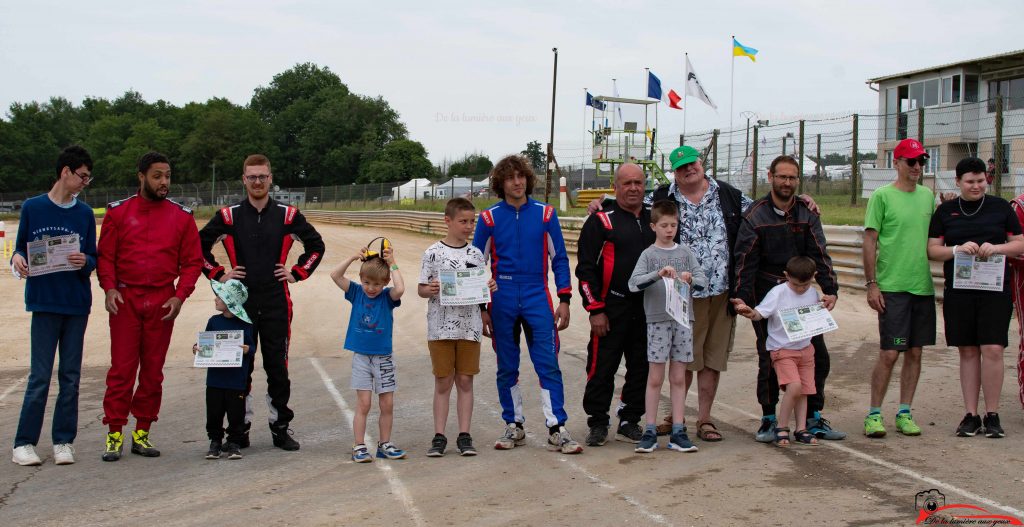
[{"x": 843, "y": 242}]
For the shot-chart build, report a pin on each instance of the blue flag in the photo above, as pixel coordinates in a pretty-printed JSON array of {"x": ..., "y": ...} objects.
[
  {"x": 598, "y": 105},
  {"x": 653, "y": 86}
]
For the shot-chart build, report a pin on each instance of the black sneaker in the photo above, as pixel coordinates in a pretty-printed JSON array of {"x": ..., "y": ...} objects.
[
  {"x": 233, "y": 451},
  {"x": 244, "y": 441},
  {"x": 598, "y": 436},
  {"x": 214, "y": 451},
  {"x": 992, "y": 428},
  {"x": 283, "y": 438},
  {"x": 629, "y": 432},
  {"x": 437, "y": 446},
  {"x": 970, "y": 425},
  {"x": 465, "y": 444}
]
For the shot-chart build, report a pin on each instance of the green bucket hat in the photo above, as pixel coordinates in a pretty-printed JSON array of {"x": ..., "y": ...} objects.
[
  {"x": 234, "y": 294},
  {"x": 683, "y": 155}
]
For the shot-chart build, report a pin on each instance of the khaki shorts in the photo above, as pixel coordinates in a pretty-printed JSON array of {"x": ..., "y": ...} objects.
[
  {"x": 713, "y": 331},
  {"x": 458, "y": 356}
]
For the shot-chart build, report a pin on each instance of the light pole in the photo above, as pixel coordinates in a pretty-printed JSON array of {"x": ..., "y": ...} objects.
[
  {"x": 746, "y": 147},
  {"x": 551, "y": 140}
]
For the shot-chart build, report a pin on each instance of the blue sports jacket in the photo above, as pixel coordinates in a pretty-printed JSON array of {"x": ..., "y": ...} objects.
[{"x": 520, "y": 243}]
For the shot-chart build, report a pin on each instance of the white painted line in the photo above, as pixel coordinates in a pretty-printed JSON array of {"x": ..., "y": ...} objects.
[
  {"x": 650, "y": 515},
  {"x": 12, "y": 387},
  {"x": 898, "y": 468},
  {"x": 397, "y": 487}
]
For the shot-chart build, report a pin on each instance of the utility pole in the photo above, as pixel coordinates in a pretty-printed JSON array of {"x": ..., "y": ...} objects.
[
  {"x": 213, "y": 185},
  {"x": 551, "y": 140}
]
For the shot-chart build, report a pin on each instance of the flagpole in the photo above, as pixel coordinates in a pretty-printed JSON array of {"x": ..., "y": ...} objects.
[
  {"x": 647, "y": 79},
  {"x": 583, "y": 165},
  {"x": 686, "y": 89},
  {"x": 732, "y": 91}
]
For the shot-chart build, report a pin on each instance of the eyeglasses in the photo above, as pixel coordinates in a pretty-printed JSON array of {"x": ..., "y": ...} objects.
[
  {"x": 85, "y": 179},
  {"x": 261, "y": 178},
  {"x": 787, "y": 179},
  {"x": 914, "y": 161}
]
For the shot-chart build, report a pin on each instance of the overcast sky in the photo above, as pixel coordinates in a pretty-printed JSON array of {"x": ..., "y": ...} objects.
[{"x": 477, "y": 76}]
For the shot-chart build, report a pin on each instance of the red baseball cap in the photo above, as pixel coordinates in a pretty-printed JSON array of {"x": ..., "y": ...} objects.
[{"x": 909, "y": 149}]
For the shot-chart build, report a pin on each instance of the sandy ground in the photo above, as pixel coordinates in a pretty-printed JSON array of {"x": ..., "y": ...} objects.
[{"x": 735, "y": 482}]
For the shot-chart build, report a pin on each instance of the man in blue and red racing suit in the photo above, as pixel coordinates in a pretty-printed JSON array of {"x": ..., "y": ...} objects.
[{"x": 521, "y": 238}]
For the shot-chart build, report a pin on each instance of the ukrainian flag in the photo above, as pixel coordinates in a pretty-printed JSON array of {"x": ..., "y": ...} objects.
[{"x": 739, "y": 50}]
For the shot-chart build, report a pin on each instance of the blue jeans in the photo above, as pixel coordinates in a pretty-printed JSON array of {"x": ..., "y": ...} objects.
[{"x": 52, "y": 332}]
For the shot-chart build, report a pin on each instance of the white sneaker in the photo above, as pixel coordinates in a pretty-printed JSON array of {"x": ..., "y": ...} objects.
[
  {"x": 63, "y": 454},
  {"x": 513, "y": 437},
  {"x": 26, "y": 456},
  {"x": 561, "y": 440}
]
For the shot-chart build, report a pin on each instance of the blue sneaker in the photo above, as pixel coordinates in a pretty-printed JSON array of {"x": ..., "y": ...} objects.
[
  {"x": 766, "y": 434},
  {"x": 648, "y": 442},
  {"x": 681, "y": 442},
  {"x": 822, "y": 429},
  {"x": 360, "y": 454},
  {"x": 386, "y": 450}
]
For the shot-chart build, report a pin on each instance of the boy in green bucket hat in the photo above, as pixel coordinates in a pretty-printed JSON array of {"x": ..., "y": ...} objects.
[{"x": 225, "y": 387}]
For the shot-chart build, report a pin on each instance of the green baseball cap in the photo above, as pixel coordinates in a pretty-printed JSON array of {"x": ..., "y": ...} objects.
[{"x": 683, "y": 155}]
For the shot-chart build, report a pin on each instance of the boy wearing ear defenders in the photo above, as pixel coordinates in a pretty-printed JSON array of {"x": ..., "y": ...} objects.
[{"x": 369, "y": 338}]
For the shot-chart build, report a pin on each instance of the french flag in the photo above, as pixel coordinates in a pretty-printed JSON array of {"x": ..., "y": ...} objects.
[{"x": 654, "y": 92}]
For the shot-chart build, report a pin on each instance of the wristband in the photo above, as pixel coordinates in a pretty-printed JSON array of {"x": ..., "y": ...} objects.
[
  {"x": 394, "y": 267},
  {"x": 869, "y": 282},
  {"x": 954, "y": 249}
]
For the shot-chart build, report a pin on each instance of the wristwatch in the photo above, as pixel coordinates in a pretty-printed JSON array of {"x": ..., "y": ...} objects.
[{"x": 394, "y": 267}]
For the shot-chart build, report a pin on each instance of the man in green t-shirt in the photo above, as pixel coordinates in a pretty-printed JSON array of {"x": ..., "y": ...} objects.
[{"x": 899, "y": 282}]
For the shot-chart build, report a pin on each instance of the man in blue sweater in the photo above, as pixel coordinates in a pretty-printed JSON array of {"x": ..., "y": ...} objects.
[{"x": 59, "y": 302}]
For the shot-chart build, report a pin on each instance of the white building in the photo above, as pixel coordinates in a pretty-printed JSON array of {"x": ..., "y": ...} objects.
[
  {"x": 459, "y": 187},
  {"x": 418, "y": 188}
]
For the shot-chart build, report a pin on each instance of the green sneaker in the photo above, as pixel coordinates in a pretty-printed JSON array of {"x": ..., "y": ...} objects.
[
  {"x": 873, "y": 426},
  {"x": 142, "y": 446},
  {"x": 115, "y": 442},
  {"x": 905, "y": 424}
]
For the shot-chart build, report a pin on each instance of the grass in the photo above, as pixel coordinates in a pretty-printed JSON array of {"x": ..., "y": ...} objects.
[{"x": 836, "y": 210}]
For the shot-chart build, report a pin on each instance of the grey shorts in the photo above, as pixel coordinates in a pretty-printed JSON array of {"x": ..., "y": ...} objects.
[
  {"x": 373, "y": 372},
  {"x": 669, "y": 340}
]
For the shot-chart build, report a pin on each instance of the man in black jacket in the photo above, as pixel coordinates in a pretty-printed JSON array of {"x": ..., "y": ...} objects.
[
  {"x": 776, "y": 228},
  {"x": 610, "y": 244},
  {"x": 257, "y": 234}
]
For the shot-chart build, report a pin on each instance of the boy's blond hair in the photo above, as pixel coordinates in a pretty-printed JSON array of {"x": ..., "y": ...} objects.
[{"x": 375, "y": 269}]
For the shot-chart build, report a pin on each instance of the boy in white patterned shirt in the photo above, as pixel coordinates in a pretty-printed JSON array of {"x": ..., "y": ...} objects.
[{"x": 453, "y": 332}]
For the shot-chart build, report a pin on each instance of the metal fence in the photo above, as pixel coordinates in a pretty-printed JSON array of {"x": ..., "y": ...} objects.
[{"x": 837, "y": 152}]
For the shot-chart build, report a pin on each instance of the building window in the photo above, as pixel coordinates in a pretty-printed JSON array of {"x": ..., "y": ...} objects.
[
  {"x": 933, "y": 160},
  {"x": 1011, "y": 90},
  {"x": 888, "y": 159},
  {"x": 951, "y": 89},
  {"x": 931, "y": 92},
  {"x": 970, "y": 88}
]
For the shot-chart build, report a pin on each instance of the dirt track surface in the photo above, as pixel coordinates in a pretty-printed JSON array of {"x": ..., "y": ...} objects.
[{"x": 735, "y": 482}]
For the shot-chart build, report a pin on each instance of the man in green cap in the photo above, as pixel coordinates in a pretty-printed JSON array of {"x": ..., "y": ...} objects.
[{"x": 710, "y": 212}]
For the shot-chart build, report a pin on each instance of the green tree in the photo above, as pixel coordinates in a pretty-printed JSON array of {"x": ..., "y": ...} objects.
[
  {"x": 535, "y": 154},
  {"x": 471, "y": 165},
  {"x": 399, "y": 160}
]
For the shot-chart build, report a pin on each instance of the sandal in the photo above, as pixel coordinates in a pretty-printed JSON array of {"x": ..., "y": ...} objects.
[
  {"x": 782, "y": 437},
  {"x": 707, "y": 431},
  {"x": 665, "y": 428},
  {"x": 805, "y": 438}
]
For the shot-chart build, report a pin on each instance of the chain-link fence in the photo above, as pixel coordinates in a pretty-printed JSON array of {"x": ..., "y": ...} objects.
[{"x": 846, "y": 154}]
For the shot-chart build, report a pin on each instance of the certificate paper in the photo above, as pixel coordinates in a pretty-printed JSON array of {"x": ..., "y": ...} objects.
[
  {"x": 974, "y": 272},
  {"x": 219, "y": 349},
  {"x": 677, "y": 300},
  {"x": 464, "y": 287},
  {"x": 50, "y": 255},
  {"x": 807, "y": 321}
]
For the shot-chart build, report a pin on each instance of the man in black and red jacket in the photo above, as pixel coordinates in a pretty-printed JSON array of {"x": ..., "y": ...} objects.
[
  {"x": 776, "y": 228},
  {"x": 609, "y": 245},
  {"x": 257, "y": 234}
]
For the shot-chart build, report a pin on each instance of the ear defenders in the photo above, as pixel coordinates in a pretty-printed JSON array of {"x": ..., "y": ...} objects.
[{"x": 378, "y": 253}]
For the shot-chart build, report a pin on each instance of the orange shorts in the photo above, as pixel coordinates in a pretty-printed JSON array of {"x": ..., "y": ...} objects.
[
  {"x": 795, "y": 366},
  {"x": 459, "y": 356}
]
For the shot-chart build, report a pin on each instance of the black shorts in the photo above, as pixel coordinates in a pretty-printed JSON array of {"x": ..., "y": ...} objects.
[
  {"x": 908, "y": 321},
  {"x": 976, "y": 319}
]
